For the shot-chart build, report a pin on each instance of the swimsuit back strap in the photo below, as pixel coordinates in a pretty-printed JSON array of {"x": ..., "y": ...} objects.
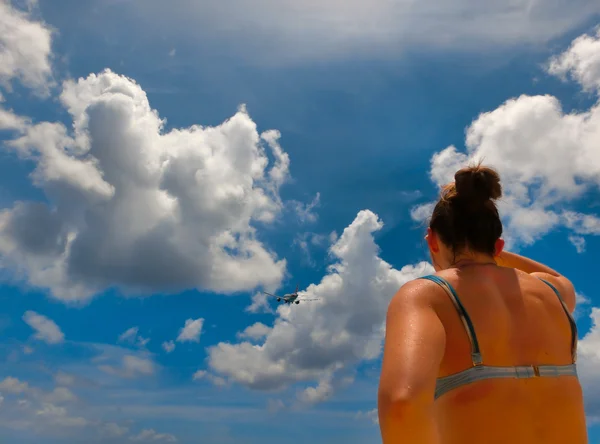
[
  {"x": 480, "y": 373},
  {"x": 464, "y": 316},
  {"x": 572, "y": 323}
]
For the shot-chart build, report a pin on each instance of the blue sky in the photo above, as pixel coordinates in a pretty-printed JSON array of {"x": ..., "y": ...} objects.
[{"x": 302, "y": 144}]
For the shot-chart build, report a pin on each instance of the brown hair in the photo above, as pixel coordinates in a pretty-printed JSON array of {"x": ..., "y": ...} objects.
[{"x": 466, "y": 215}]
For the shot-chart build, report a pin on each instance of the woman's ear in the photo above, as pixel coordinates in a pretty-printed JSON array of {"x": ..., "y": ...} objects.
[
  {"x": 498, "y": 247},
  {"x": 432, "y": 241}
]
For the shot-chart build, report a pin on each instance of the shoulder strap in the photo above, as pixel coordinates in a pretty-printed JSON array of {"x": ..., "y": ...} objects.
[
  {"x": 466, "y": 320},
  {"x": 572, "y": 322}
]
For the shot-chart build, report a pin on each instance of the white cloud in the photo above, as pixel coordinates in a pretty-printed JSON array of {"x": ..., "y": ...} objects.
[
  {"x": 307, "y": 241},
  {"x": 55, "y": 413},
  {"x": 191, "y": 330},
  {"x": 130, "y": 367},
  {"x": 149, "y": 435},
  {"x": 133, "y": 365},
  {"x": 422, "y": 212},
  {"x": 513, "y": 138},
  {"x": 46, "y": 329},
  {"x": 25, "y": 49},
  {"x": 371, "y": 415},
  {"x": 333, "y": 237},
  {"x": 13, "y": 385},
  {"x": 260, "y": 304},
  {"x": 275, "y": 405},
  {"x": 588, "y": 366},
  {"x": 131, "y": 336},
  {"x": 113, "y": 430},
  {"x": 142, "y": 209},
  {"x": 578, "y": 242},
  {"x": 168, "y": 346},
  {"x": 36, "y": 409},
  {"x": 59, "y": 416},
  {"x": 582, "y": 223},
  {"x": 581, "y": 299},
  {"x": 203, "y": 374},
  {"x": 304, "y": 212},
  {"x": 582, "y": 305},
  {"x": 10, "y": 121},
  {"x": 581, "y": 62},
  {"x": 60, "y": 395},
  {"x": 255, "y": 331},
  {"x": 64, "y": 379},
  {"x": 320, "y": 393},
  {"x": 282, "y": 31},
  {"x": 200, "y": 374},
  {"x": 323, "y": 340}
]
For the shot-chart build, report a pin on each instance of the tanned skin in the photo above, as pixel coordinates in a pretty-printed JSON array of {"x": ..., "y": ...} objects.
[{"x": 518, "y": 320}]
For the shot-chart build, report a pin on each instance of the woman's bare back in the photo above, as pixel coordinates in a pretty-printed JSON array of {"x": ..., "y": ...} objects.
[{"x": 518, "y": 321}]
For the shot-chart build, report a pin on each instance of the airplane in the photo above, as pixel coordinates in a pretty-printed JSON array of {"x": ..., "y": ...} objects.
[{"x": 290, "y": 298}]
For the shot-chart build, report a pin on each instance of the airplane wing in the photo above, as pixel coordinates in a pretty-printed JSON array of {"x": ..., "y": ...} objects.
[{"x": 274, "y": 295}]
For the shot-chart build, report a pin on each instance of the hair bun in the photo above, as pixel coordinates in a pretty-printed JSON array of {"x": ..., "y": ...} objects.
[{"x": 477, "y": 184}]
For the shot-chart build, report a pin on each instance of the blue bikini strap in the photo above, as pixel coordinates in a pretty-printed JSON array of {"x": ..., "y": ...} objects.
[
  {"x": 466, "y": 320},
  {"x": 572, "y": 322}
]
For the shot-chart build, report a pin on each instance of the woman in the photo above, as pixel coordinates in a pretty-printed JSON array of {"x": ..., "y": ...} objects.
[{"x": 484, "y": 350}]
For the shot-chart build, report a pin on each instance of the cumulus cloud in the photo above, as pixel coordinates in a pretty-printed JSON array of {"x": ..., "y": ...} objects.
[
  {"x": 49, "y": 403},
  {"x": 371, "y": 415},
  {"x": 149, "y": 435},
  {"x": 321, "y": 392},
  {"x": 515, "y": 137},
  {"x": 260, "y": 304},
  {"x": 25, "y": 50},
  {"x": 140, "y": 208},
  {"x": 13, "y": 385},
  {"x": 59, "y": 416},
  {"x": 131, "y": 336},
  {"x": 255, "y": 331},
  {"x": 113, "y": 430},
  {"x": 588, "y": 364},
  {"x": 10, "y": 121},
  {"x": 168, "y": 346},
  {"x": 46, "y": 329},
  {"x": 122, "y": 362},
  {"x": 60, "y": 395},
  {"x": 64, "y": 379},
  {"x": 214, "y": 379},
  {"x": 131, "y": 367},
  {"x": 290, "y": 31},
  {"x": 322, "y": 341},
  {"x": 581, "y": 62},
  {"x": 191, "y": 330},
  {"x": 55, "y": 413}
]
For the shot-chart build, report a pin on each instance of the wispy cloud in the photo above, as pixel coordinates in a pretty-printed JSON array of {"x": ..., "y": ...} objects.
[
  {"x": 288, "y": 31},
  {"x": 46, "y": 329},
  {"x": 191, "y": 330}
]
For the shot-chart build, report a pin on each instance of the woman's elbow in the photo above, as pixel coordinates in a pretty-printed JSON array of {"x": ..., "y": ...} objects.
[{"x": 400, "y": 401}]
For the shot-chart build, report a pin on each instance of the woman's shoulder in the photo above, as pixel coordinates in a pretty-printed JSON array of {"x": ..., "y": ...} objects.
[{"x": 427, "y": 289}]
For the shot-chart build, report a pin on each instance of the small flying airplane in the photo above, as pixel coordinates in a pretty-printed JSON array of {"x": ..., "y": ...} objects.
[{"x": 290, "y": 298}]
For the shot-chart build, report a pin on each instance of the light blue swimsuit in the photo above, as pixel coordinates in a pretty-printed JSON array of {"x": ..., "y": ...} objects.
[{"x": 479, "y": 371}]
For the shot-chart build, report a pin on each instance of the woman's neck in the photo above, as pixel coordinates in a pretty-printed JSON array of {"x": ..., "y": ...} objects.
[{"x": 467, "y": 259}]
